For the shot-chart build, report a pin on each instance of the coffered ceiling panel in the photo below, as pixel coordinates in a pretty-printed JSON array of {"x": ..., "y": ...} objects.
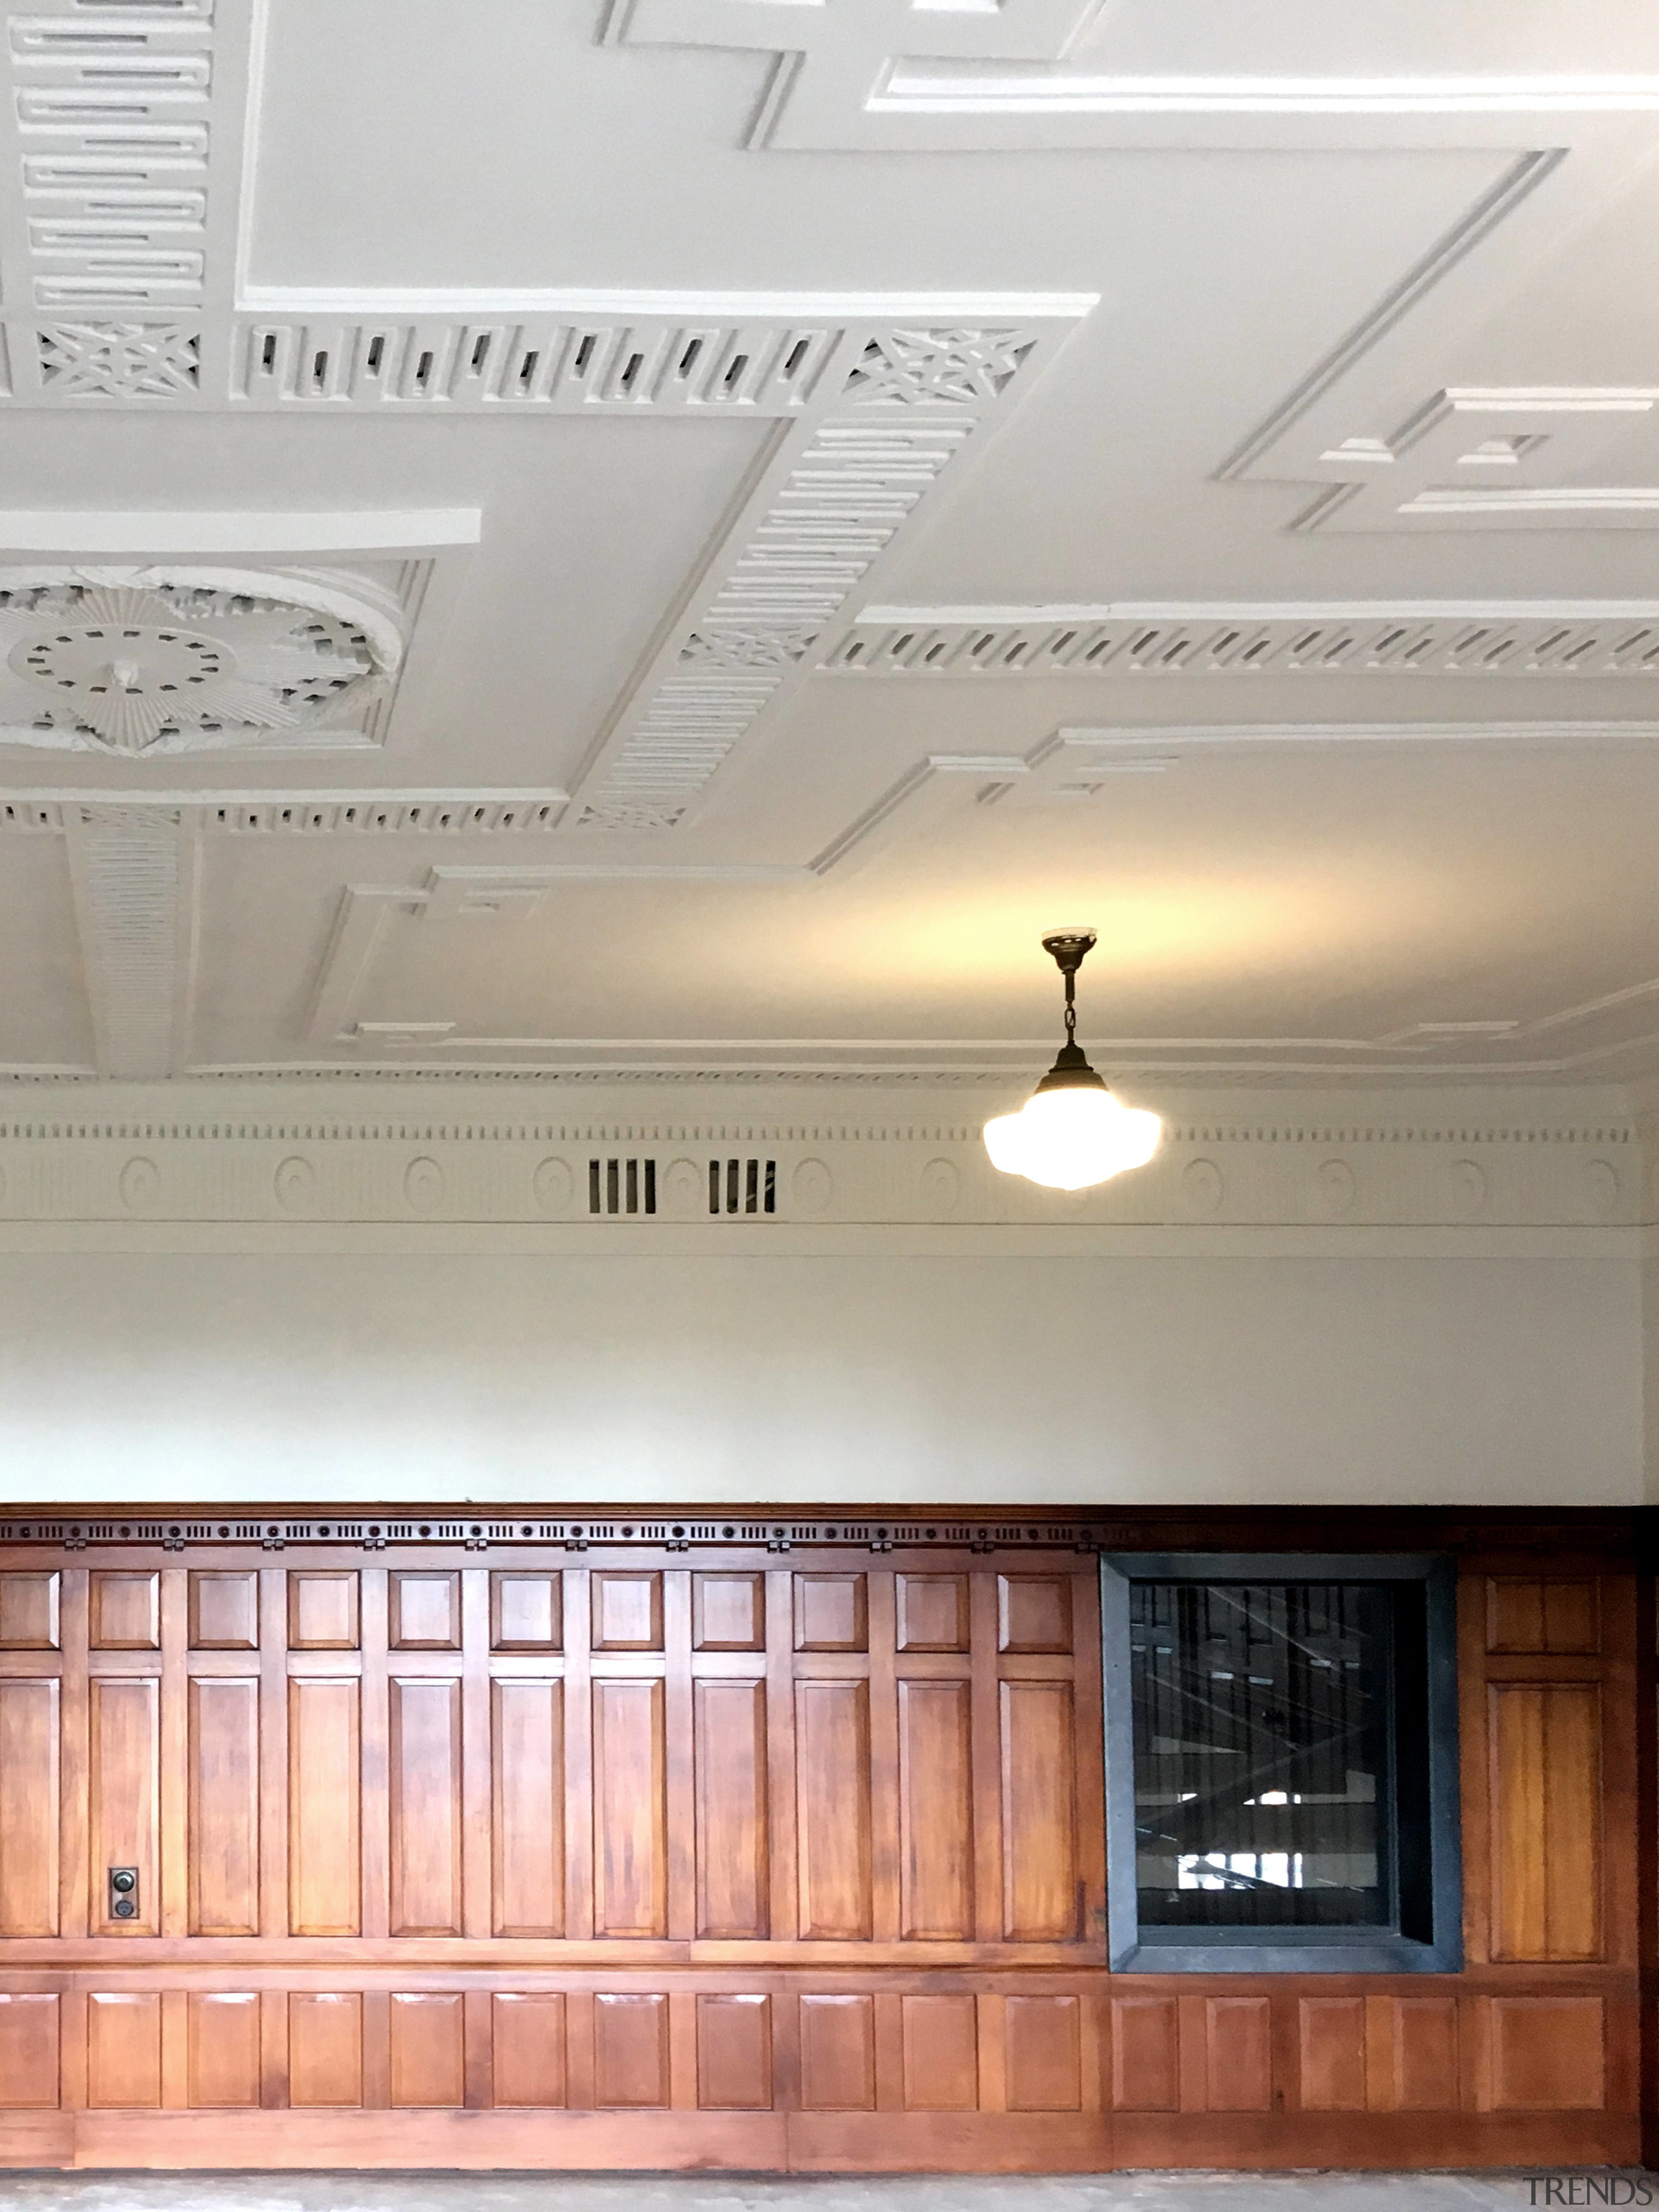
[{"x": 684, "y": 532}]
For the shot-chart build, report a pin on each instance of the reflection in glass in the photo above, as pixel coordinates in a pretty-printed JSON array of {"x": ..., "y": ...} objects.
[{"x": 1261, "y": 1728}]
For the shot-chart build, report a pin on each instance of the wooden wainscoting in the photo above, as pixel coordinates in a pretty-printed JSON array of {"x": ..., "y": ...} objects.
[{"x": 747, "y": 1850}]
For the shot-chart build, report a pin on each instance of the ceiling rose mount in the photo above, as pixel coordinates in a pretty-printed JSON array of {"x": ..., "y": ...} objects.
[{"x": 1071, "y": 1132}]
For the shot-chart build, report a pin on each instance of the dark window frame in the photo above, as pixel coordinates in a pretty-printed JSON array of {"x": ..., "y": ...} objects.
[{"x": 1134, "y": 1949}]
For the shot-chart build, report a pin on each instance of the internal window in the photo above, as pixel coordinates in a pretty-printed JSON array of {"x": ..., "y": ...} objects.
[{"x": 1279, "y": 1776}]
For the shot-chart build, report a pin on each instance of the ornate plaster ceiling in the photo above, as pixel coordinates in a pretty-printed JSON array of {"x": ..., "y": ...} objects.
[{"x": 680, "y": 534}]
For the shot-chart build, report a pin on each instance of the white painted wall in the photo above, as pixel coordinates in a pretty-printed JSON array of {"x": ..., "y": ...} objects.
[{"x": 879, "y": 1376}]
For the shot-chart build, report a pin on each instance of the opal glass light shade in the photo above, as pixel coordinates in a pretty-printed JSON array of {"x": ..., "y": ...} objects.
[{"x": 1068, "y": 1138}]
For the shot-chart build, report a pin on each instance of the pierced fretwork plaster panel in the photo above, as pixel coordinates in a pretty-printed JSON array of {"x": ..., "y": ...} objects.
[
  {"x": 1565, "y": 639},
  {"x": 829, "y": 505},
  {"x": 134, "y": 885}
]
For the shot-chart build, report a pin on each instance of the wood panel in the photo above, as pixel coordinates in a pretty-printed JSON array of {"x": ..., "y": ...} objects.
[
  {"x": 832, "y": 1816},
  {"x": 425, "y": 1754},
  {"x": 527, "y": 2035},
  {"x": 630, "y": 1841},
  {"x": 223, "y": 1830},
  {"x": 527, "y": 1815},
  {"x": 124, "y": 2048},
  {"x": 325, "y": 1852},
  {"x": 223, "y": 2047},
  {"x": 729, "y": 1740},
  {"x": 1545, "y": 1742},
  {"x": 1039, "y": 1813},
  {"x": 325, "y": 2047},
  {"x": 630, "y": 2050},
  {"x": 734, "y": 2052},
  {"x": 827, "y": 1834},
  {"x": 28, "y": 1610},
  {"x": 838, "y": 2053},
  {"x": 428, "y": 2048},
  {"x": 936, "y": 1842},
  {"x": 526, "y": 1611},
  {"x": 28, "y": 2049},
  {"x": 29, "y": 1806},
  {"x": 125, "y": 1797}
]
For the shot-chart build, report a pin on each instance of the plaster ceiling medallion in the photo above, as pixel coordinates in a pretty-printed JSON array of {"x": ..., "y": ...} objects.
[{"x": 137, "y": 661}]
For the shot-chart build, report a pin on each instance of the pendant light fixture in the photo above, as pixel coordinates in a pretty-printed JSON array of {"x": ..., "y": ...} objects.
[{"x": 1071, "y": 1132}]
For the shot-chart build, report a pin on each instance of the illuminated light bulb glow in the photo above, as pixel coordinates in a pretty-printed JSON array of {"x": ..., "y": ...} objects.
[
  {"x": 1072, "y": 1131},
  {"x": 1068, "y": 1139}
]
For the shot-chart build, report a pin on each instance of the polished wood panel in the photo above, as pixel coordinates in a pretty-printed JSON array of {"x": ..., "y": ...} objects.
[
  {"x": 627, "y": 1612},
  {"x": 1145, "y": 2054},
  {"x": 223, "y": 2047},
  {"x": 630, "y": 2050},
  {"x": 224, "y": 1610},
  {"x": 630, "y": 1841},
  {"x": 728, "y": 1613},
  {"x": 1547, "y": 1816},
  {"x": 126, "y": 1611},
  {"x": 1331, "y": 2049},
  {"x": 793, "y": 1863},
  {"x": 1039, "y": 1813},
  {"x": 124, "y": 2048},
  {"x": 527, "y": 1815},
  {"x": 28, "y": 1610},
  {"x": 831, "y": 1613},
  {"x": 729, "y": 1740},
  {"x": 931, "y": 1612},
  {"x": 838, "y": 2053},
  {"x": 428, "y": 2050},
  {"x": 29, "y": 1806},
  {"x": 832, "y": 1818},
  {"x": 936, "y": 1843},
  {"x": 325, "y": 2047},
  {"x": 940, "y": 2052},
  {"x": 223, "y": 1833},
  {"x": 28, "y": 2049},
  {"x": 527, "y": 2046},
  {"x": 424, "y": 1612},
  {"x": 322, "y": 1609},
  {"x": 124, "y": 1797},
  {"x": 526, "y": 1611},
  {"x": 425, "y": 1756},
  {"x": 325, "y": 1778},
  {"x": 734, "y": 2052},
  {"x": 1042, "y": 2044}
]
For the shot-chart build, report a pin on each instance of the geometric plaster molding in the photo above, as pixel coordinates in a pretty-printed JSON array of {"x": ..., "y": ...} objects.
[
  {"x": 1556, "y": 639},
  {"x": 143, "y": 661},
  {"x": 1468, "y": 459},
  {"x": 1078, "y": 766},
  {"x": 886, "y": 76}
]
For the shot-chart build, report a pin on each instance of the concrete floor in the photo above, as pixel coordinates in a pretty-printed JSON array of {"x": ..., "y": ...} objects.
[{"x": 542, "y": 2192}]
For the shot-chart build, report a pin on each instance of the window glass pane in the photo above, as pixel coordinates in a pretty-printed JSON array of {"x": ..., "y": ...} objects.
[{"x": 1262, "y": 1784}]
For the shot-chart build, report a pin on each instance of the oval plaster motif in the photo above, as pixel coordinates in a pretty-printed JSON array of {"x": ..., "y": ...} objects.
[
  {"x": 140, "y": 1184},
  {"x": 1334, "y": 1181},
  {"x": 810, "y": 1187},
  {"x": 940, "y": 1187},
  {"x": 1468, "y": 1188},
  {"x": 1601, "y": 1188},
  {"x": 682, "y": 1190},
  {"x": 423, "y": 1185},
  {"x": 295, "y": 1185},
  {"x": 1202, "y": 1185},
  {"x": 552, "y": 1185}
]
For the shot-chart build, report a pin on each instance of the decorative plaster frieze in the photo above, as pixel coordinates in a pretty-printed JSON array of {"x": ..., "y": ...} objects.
[
  {"x": 1554, "y": 638},
  {"x": 259, "y": 1161}
]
